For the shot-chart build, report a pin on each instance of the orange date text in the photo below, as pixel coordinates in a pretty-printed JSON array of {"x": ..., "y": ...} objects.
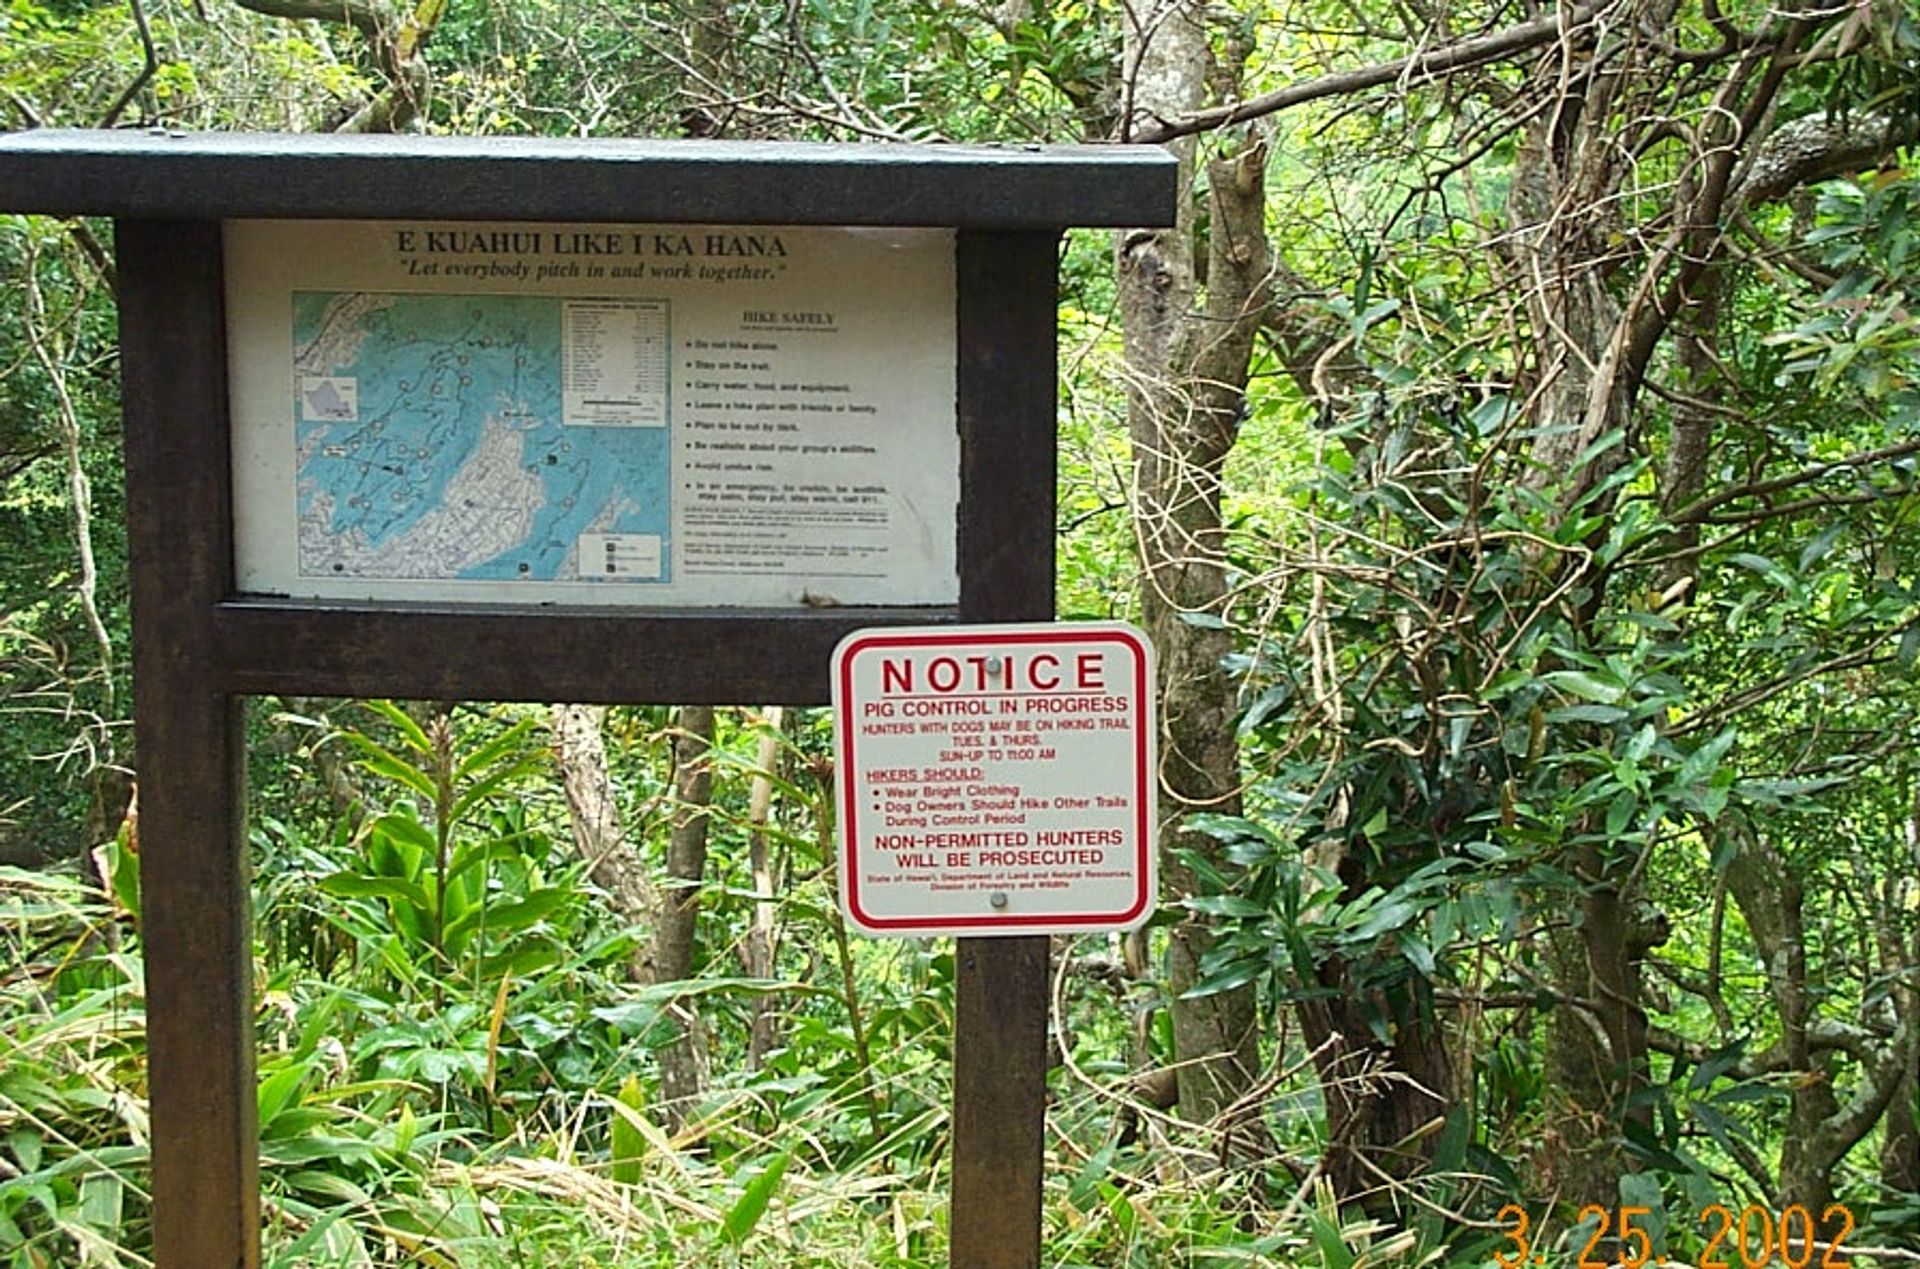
[{"x": 1753, "y": 1239}]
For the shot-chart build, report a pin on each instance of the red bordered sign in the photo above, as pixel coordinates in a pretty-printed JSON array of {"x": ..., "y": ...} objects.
[{"x": 996, "y": 779}]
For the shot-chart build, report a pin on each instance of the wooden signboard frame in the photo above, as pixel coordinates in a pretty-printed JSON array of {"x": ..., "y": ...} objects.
[{"x": 200, "y": 646}]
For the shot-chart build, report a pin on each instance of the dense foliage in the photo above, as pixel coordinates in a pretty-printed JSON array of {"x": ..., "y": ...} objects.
[{"x": 1513, "y": 451}]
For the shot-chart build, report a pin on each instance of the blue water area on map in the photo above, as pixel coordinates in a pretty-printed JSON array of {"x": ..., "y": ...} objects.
[{"x": 431, "y": 371}]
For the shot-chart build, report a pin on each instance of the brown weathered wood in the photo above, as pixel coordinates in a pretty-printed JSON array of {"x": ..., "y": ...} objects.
[
  {"x": 1007, "y": 330},
  {"x": 1007, "y": 334},
  {"x": 999, "y": 1102},
  {"x": 227, "y": 175},
  {"x": 588, "y": 655},
  {"x": 196, "y": 915}
]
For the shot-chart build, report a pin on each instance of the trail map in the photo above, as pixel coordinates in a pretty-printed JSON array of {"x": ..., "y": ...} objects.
[{"x": 481, "y": 437}]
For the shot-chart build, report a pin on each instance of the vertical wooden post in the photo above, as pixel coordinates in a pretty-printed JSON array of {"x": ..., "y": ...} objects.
[
  {"x": 1008, "y": 331},
  {"x": 196, "y": 916}
]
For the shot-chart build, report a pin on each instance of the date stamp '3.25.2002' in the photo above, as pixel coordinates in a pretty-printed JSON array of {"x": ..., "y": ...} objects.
[{"x": 1755, "y": 1238}]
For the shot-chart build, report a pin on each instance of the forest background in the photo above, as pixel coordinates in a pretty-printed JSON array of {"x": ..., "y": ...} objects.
[{"x": 1512, "y": 452}]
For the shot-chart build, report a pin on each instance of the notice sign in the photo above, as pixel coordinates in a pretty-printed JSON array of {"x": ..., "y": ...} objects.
[
  {"x": 996, "y": 779},
  {"x": 541, "y": 413}
]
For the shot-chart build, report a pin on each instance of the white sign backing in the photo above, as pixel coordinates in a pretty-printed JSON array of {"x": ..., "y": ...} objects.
[{"x": 996, "y": 779}]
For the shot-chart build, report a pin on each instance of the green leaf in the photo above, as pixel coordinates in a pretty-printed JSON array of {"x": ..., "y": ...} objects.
[
  {"x": 1719, "y": 1125},
  {"x": 1604, "y": 714},
  {"x": 1600, "y": 445},
  {"x": 386, "y": 765},
  {"x": 403, "y": 826},
  {"x": 1817, "y": 550},
  {"x": 278, "y": 1090},
  {"x": 1418, "y": 953},
  {"x": 1229, "y": 828},
  {"x": 1224, "y": 905},
  {"x": 490, "y": 752},
  {"x": 101, "y": 1200},
  {"x": 1390, "y": 914},
  {"x": 1450, "y": 1154},
  {"x": 123, "y": 873},
  {"x": 746, "y": 1212},
  {"x": 1702, "y": 762},
  {"x": 350, "y": 885},
  {"x": 1587, "y": 686},
  {"x": 505, "y": 918},
  {"x": 1642, "y": 743},
  {"x": 415, "y": 737},
  {"x": 1787, "y": 794},
  {"x": 405, "y": 1129},
  {"x": 1620, "y": 813},
  {"x": 328, "y": 1185},
  {"x": 627, "y": 1143},
  {"x": 1491, "y": 414},
  {"x": 483, "y": 789},
  {"x": 1084, "y": 1191},
  {"x": 1766, "y": 568},
  {"x": 27, "y": 1147},
  {"x": 1637, "y": 1189},
  {"x": 1334, "y": 1252},
  {"x": 529, "y": 957},
  {"x": 1235, "y": 974},
  {"x": 509, "y": 849}
]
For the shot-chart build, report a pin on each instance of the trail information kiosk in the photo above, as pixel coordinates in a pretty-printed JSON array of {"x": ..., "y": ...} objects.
[{"x": 559, "y": 420}]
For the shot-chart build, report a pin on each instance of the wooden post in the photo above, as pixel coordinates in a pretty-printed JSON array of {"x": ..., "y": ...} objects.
[
  {"x": 999, "y": 1102},
  {"x": 1008, "y": 333},
  {"x": 196, "y": 915}
]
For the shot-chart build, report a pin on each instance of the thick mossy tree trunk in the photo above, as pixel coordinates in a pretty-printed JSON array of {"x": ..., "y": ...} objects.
[{"x": 1597, "y": 1049}]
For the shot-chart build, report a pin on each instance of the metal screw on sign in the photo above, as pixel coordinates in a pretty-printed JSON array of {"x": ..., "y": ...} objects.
[
  {"x": 998, "y": 899},
  {"x": 994, "y": 666}
]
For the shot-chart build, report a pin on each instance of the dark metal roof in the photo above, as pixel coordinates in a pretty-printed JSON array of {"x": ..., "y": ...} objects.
[{"x": 230, "y": 175}]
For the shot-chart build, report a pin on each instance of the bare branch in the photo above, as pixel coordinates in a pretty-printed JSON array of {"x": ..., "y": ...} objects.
[
  {"x": 1701, "y": 510},
  {"x": 1818, "y": 147},
  {"x": 370, "y": 19},
  {"x": 150, "y": 65},
  {"x": 1481, "y": 50}
]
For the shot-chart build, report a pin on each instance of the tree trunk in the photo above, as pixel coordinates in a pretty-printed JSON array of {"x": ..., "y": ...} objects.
[
  {"x": 1559, "y": 258},
  {"x": 1900, "y": 1142},
  {"x": 1900, "y": 1138},
  {"x": 757, "y": 951},
  {"x": 594, "y": 814},
  {"x": 1597, "y": 1052},
  {"x": 1187, "y": 373},
  {"x": 1771, "y": 898},
  {"x": 1382, "y": 1100},
  {"x": 669, "y": 956}
]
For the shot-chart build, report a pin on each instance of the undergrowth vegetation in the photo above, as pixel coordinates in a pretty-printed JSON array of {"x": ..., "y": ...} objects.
[{"x": 455, "y": 1068}]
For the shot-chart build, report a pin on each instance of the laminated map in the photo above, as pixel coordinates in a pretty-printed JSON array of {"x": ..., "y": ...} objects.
[{"x": 437, "y": 437}]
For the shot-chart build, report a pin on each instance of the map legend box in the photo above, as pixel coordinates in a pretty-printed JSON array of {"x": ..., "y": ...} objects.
[
  {"x": 620, "y": 555},
  {"x": 614, "y": 363}
]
